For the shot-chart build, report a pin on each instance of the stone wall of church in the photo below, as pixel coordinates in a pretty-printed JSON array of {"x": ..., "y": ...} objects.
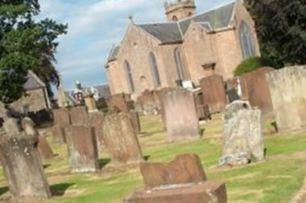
[
  {"x": 199, "y": 50},
  {"x": 139, "y": 43}
]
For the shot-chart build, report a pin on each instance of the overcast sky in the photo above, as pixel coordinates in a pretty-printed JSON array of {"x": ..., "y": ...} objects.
[{"x": 94, "y": 26}]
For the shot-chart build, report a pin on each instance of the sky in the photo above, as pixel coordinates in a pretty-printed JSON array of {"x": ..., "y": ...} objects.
[{"x": 94, "y": 27}]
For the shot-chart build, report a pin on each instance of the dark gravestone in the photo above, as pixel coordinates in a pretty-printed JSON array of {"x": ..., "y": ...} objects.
[
  {"x": 82, "y": 148},
  {"x": 22, "y": 163},
  {"x": 58, "y": 134},
  {"x": 120, "y": 139}
]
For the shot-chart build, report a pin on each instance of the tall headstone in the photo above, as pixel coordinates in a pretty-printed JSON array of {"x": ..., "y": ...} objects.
[
  {"x": 61, "y": 121},
  {"x": 96, "y": 121},
  {"x": 21, "y": 162},
  {"x": 82, "y": 148},
  {"x": 243, "y": 134},
  {"x": 214, "y": 93},
  {"x": 287, "y": 87},
  {"x": 181, "y": 115},
  {"x": 79, "y": 116},
  {"x": 44, "y": 148},
  {"x": 120, "y": 139},
  {"x": 180, "y": 181}
]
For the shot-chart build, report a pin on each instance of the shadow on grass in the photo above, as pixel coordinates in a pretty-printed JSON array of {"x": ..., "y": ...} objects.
[
  {"x": 60, "y": 189},
  {"x": 46, "y": 166},
  {"x": 146, "y": 157},
  {"x": 3, "y": 190},
  {"x": 103, "y": 162}
]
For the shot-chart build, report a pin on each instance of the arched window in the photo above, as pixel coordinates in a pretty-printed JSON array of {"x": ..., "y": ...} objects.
[
  {"x": 179, "y": 65},
  {"x": 154, "y": 70},
  {"x": 174, "y": 18},
  {"x": 129, "y": 77},
  {"x": 246, "y": 41}
]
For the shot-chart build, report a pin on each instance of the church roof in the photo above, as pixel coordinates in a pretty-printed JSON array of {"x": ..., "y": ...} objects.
[{"x": 173, "y": 32}]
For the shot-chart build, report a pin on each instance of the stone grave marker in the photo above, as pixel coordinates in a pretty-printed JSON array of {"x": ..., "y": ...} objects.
[
  {"x": 79, "y": 116},
  {"x": 181, "y": 115},
  {"x": 82, "y": 148},
  {"x": 182, "y": 180},
  {"x": 243, "y": 134},
  {"x": 120, "y": 139},
  {"x": 21, "y": 162}
]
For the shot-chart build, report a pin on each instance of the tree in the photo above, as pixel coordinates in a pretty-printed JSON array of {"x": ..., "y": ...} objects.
[
  {"x": 26, "y": 44},
  {"x": 281, "y": 29}
]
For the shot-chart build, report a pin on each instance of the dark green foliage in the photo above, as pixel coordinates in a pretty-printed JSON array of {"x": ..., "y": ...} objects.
[
  {"x": 250, "y": 65},
  {"x": 281, "y": 29},
  {"x": 26, "y": 45}
]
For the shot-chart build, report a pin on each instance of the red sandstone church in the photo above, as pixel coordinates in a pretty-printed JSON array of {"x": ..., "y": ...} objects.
[{"x": 182, "y": 51}]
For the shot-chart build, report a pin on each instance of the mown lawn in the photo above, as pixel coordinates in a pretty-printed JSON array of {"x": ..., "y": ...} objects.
[{"x": 275, "y": 180}]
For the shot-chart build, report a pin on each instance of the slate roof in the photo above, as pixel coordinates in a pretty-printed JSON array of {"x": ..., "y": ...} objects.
[
  {"x": 33, "y": 82},
  {"x": 104, "y": 91},
  {"x": 165, "y": 32},
  {"x": 173, "y": 32}
]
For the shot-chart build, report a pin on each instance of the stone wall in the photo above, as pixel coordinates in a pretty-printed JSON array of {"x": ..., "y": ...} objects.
[{"x": 287, "y": 87}]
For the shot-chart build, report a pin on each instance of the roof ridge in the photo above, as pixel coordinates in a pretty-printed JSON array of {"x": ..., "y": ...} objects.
[
  {"x": 209, "y": 10},
  {"x": 37, "y": 78},
  {"x": 156, "y": 23}
]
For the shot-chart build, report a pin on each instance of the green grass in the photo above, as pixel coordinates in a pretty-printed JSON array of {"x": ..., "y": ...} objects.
[{"x": 275, "y": 180}]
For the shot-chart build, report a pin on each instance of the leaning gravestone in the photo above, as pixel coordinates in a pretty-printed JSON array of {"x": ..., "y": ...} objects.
[
  {"x": 21, "y": 162},
  {"x": 120, "y": 139},
  {"x": 181, "y": 115},
  {"x": 287, "y": 87},
  {"x": 82, "y": 148},
  {"x": 182, "y": 180},
  {"x": 242, "y": 136}
]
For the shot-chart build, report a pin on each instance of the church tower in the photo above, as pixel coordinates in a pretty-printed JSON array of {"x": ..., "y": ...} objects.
[{"x": 179, "y": 9}]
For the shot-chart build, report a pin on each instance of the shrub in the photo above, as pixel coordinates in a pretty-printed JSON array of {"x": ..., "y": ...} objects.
[{"x": 250, "y": 65}]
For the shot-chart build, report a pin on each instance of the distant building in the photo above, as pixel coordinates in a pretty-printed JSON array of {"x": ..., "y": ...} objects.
[
  {"x": 183, "y": 50},
  {"x": 36, "y": 96}
]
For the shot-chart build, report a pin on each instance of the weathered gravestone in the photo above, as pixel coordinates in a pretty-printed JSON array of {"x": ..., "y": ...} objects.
[
  {"x": 214, "y": 93},
  {"x": 61, "y": 121},
  {"x": 96, "y": 121},
  {"x": 287, "y": 87},
  {"x": 242, "y": 136},
  {"x": 21, "y": 162},
  {"x": 182, "y": 180},
  {"x": 185, "y": 168},
  {"x": 79, "y": 116},
  {"x": 120, "y": 139},
  {"x": 90, "y": 103},
  {"x": 82, "y": 149},
  {"x": 181, "y": 115},
  {"x": 43, "y": 146}
]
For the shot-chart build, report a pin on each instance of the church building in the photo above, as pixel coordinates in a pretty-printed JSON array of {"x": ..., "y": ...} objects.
[{"x": 183, "y": 50}]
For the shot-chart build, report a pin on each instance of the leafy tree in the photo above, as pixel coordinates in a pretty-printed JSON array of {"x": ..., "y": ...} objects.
[
  {"x": 26, "y": 44},
  {"x": 281, "y": 29},
  {"x": 251, "y": 64}
]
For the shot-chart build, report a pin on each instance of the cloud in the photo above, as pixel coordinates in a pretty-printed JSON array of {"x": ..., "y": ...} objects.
[{"x": 93, "y": 27}]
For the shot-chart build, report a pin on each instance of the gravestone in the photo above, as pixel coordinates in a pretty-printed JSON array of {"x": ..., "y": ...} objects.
[
  {"x": 243, "y": 134},
  {"x": 255, "y": 89},
  {"x": 182, "y": 180},
  {"x": 61, "y": 121},
  {"x": 43, "y": 146},
  {"x": 96, "y": 121},
  {"x": 21, "y": 162},
  {"x": 181, "y": 115},
  {"x": 90, "y": 103},
  {"x": 82, "y": 148},
  {"x": 287, "y": 87},
  {"x": 120, "y": 139},
  {"x": 185, "y": 168},
  {"x": 79, "y": 116},
  {"x": 214, "y": 93}
]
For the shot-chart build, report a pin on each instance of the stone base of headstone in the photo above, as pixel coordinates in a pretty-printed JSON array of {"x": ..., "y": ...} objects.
[
  {"x": 82, "y": 148},
  {"x": 22, "y": 163},
  {"x": 120, "y": 139},
  {"x": 204, "y": 192}
]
